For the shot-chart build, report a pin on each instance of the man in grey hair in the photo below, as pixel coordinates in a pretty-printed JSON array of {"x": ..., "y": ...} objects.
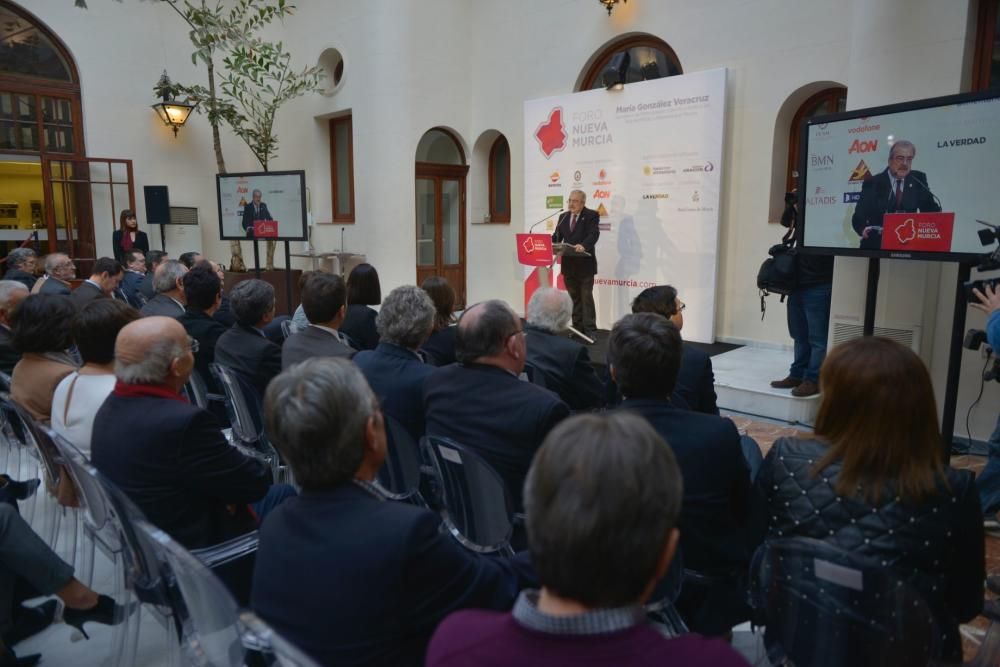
[
  {"x": 337, "y": 561},
  {"x": 481, "y": 402},
  {"x": 168, "y": 281},
  {"x": 12, "y": 293},
  {"x": 564, "y": 364},
  {"x": 245, "y": 348},
  {"x": 59, "y": 270},
  {"x": 21, "y": 266},
  {"x": 168, "y": 455},
  {"x": 395, "y": 369}
]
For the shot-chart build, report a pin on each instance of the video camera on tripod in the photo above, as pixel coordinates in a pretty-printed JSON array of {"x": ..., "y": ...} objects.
[{"x": 976, "y": 338}]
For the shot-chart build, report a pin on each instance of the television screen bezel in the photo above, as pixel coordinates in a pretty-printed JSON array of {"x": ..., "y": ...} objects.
[
  {"x": 250, "y": 174},
  {"x": 869, "y": 112}
]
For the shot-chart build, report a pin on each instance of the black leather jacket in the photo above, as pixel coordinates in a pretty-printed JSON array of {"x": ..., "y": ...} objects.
[{"x": 936, "y": 545}]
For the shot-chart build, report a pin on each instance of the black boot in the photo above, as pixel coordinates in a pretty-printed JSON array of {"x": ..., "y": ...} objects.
[{"x": 30, "y": 621}]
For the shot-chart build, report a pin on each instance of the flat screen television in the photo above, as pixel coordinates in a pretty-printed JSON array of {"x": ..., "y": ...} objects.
[
  {"x": 904, "y": 181},
  {"x": 262, "y": 205}
]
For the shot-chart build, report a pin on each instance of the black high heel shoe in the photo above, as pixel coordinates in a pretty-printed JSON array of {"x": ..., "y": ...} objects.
[
  {"x": 8, "y": 659},
  {"x": 106, "y": 611}
]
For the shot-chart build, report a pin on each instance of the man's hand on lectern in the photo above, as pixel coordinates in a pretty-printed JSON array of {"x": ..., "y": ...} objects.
[
  {"x": 988, "y": 302},
  {"x": 579, "y": 248}
]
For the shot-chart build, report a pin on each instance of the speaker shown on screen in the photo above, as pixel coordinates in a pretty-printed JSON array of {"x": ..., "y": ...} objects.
[{"x": 157, "y": 204}]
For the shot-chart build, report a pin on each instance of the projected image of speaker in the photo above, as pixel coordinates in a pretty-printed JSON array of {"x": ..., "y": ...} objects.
[{"x": 157, "y": 204}]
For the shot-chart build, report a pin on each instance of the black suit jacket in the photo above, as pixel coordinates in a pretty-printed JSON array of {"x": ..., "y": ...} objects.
[
  {"x": 696, "y": 381},
  {"x": 9, "y": 356},
  {"x": 248, "y": 352},
  {"x": 565, "y": 365},
  {"x": 249, "y": 216},
  {"x": 353, "y": 580},
  {"x": 224, "y": 315},
  {"x": 877, "y": 199},
  {"x": 359, "y": 324},
  {"x": 85, "y": 293},
  {"x": 146, "y": 286},
  {"x": 715, "y": 537},
  {"x": 162, "y": 305},
  {"x": 312, "y": 342},
  {"x": 171, "y": 459},
  {"x": 586, "y": 233},
  {"x": 141, "y": 243},
  {"x": 440, "y": 347},
  {"x": 206, "y": 331},
  {"x": 130, "y": 287},
  {"x": 55, "y": 286},
  {"x": 23, "y": 277},
  {"x": 397, "y": 377},
  {"x": 495, "y": 414}
]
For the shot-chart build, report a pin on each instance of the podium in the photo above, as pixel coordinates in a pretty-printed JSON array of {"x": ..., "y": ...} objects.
[
  {"x": 917, "y": 232},
  {"x": 265, "y": 229}
]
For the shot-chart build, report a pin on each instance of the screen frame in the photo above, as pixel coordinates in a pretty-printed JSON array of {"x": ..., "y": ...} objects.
[
  {"x": 251, "y": 174},
  {"x": 871, "y": 112}
]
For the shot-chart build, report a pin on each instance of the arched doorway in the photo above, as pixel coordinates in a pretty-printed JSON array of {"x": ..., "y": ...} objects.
[{"x": 440, "y": 192}]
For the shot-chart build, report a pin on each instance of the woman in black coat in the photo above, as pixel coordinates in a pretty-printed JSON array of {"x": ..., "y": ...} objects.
[
  {"x": 872, "y": 482},
  {"x": 363, "y": 290},
  {"x": 440, "y": 347},
  {"x": 128, "y": 236}
]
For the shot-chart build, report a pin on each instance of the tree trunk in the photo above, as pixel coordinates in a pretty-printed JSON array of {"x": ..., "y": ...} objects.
[{"x": 235, "y": 248}]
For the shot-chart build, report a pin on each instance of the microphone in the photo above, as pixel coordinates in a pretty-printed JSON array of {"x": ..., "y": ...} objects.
[
  {"x": 928, "y": 191},
  {"x": 532, "y": 228}
]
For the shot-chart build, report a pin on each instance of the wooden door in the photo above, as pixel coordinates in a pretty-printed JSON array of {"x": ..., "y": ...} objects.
[{"x": 440, "y": 205}]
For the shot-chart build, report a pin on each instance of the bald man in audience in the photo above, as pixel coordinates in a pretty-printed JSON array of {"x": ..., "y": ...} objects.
[
  {"x": 482, "y": 402},
  {"x": 12, "y": 293}
]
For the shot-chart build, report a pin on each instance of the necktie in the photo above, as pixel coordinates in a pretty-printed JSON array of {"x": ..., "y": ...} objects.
[
  {"x": 572, "y": 223},
  {"x": 899, "y": 193}
]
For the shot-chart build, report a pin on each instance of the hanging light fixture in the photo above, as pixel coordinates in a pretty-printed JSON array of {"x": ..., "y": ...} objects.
[
  {"x": 610, "y": 4},
  {"x": 172, "y": 112}
]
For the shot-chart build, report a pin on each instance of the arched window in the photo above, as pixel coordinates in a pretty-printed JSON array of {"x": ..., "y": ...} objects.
[
  {"x": 500, "y": 180},
  {"x": 826, "y": 101},
  {"x": 986, "y": 64},
  {"x": 649, "y": 58}
]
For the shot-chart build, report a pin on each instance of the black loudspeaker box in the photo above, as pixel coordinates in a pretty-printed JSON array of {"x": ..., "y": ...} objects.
[{"x": 157, "y": 204}]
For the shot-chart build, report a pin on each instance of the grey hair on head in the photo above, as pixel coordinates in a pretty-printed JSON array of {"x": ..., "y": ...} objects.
[
  {"x": 7, "y": 289},
  {"x": 18, "y": 256},
  {"x": 167, "y": 274},
  {"x": 154, "y": 367},
  {"x": 406, "y": 317},
  {"x": 550, "y": 309}
]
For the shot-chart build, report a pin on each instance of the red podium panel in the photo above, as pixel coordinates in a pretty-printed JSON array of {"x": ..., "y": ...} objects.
[
  {"x": 917, "y": 232},
  {"x": 534, "y": 249},
  {"x": 265, "y": 229}
]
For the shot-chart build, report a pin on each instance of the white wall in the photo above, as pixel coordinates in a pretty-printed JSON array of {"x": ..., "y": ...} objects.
[{"x": 415, "y": 64}]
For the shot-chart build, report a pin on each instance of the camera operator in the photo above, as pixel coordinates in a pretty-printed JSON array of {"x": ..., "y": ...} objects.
[
  {"x": 988, "y": 481},
  {"x": 808, "y": 311}
]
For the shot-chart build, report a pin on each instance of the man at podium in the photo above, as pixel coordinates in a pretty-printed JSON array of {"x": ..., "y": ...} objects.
[
  {"x": 579, "y": 227},
  {"x": 898, "y": 189},
  {"x": 255, "y": 210}
]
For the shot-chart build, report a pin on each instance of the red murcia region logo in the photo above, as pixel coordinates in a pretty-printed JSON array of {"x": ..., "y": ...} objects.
[{"x": 551, "y": 135}]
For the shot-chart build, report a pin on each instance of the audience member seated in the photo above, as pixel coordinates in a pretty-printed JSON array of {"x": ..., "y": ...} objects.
[
  {"x": 363, "y": 290},
  {"x": 224, "y": 315},
  {"x": 169, "y": 299},
  {"x": 323, "y": 300},
  {"x": 12, "y": 293},
  {"x": 24, "y": 555},
  {"x": 645, "y": 355},
  {"x": 153, "y": 259},
  {"x": 169, "y": 456},
  {"x": 439, "y": 349},
  {"x": 349, "y": 578},
  {"x": 59, "y": 270},
  {"x": 189, "y": 259},
  {"x": 695, "y": 381},
  {"x": 872, "y": 481},
  {"x": 482, "y": 403},
  {"x": 40, "y": 331},
  {"x": 613, "y": 475},
  {"x": 103, "y": 280},
  {"x": 299, "y": 319},
  {"x": 244, "y": 347},
  {"x": 203, "y": 294},
  {"x": 135, "y": 272},
  {"x": 79, "y": 395},
  {"x": 21, "y": 266},
  {"x": 394, "y": 369},
  {"x": 564, "y": 364}
]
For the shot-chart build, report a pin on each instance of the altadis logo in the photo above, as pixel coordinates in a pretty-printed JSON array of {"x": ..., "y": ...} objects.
[{"x": 551, "y": 135}]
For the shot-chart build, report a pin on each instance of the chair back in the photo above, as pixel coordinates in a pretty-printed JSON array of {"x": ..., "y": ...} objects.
[
  {"x": 34, "y": 435},
  {"x": 92, "y": 497},
  {"x": 477, "y": 507},
  {"x": 242, "y": 404},
  {"x": 400, "y": 474},
  {"x": 277, "y": 650},
  {"x": 197, "y": 390},
  {"x": 828, "y": 607},
  {"x": 206, "y": 612}
]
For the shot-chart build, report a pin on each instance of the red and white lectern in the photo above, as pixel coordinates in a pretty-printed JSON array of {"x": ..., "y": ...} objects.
[{"x": 535, "y": 250}]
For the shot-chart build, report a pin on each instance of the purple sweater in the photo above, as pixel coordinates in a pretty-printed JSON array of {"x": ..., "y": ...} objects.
[{"x": 484, "y": 638}]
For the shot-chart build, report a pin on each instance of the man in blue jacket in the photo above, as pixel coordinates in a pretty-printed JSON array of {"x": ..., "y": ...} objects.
[{"x": 988, "y": 481}]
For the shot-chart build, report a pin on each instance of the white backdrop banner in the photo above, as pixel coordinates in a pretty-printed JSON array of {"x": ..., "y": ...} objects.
[{"x": 649, "y": 159}]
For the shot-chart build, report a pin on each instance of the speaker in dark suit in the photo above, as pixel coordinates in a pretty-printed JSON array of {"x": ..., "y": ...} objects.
[
  {"x": 579, "y": 226},
  {"x": 253, "y": 211},
  {"x": 898, "y": 189}
]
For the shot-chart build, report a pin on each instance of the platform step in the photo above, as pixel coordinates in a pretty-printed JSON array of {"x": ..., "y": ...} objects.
[{"x": 743, "y": 384}]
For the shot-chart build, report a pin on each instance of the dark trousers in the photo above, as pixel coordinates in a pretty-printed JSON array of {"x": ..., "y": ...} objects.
[
  {"x": 24, "y": 554},
  {"x": 581, "y": 291},
  {"x": 808, "y": 325}
]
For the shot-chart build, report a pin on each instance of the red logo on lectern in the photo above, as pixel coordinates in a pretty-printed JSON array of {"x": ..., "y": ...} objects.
[
  {"x": 914, "y": 232},
  {"x": 551, "y": 135}
]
